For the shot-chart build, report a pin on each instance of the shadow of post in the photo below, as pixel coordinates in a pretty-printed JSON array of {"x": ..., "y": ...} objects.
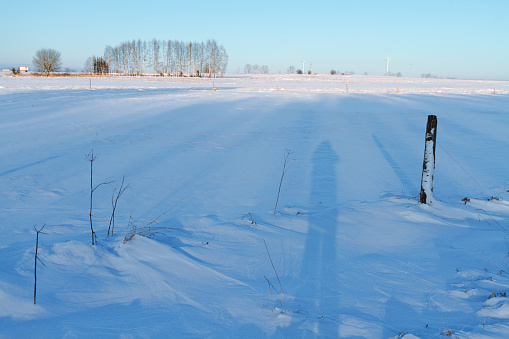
[{"x": 400, "y": 173}]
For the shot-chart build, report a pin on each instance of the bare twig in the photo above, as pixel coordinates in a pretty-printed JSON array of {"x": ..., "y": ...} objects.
[
  {"x": 500, "y": 227},
  {"x": 270, "y": 285},
  {"x": 147, "y": 230},
  {"x": 114, "y": 202},
  {"x": 249, "y": 216},
  {"x": 285, "y": 163},
  {"x": 37, "y": 258},
  {"x": 273, "y": 266}
]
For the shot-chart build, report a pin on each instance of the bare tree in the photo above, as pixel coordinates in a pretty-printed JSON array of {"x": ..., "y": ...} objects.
[
  {"x": 248, "y": 69},
  {"x": 256, "y": 69},
  {"x": 88, "y": 66},
  {"x": 201, "y": 58},
  {"x": 218, "y": 59},
  {"x": 141, "y": 54},
  {"x": 291, "y": 70},
  {"x": 155, "y": 55},
  {"x": 47, "y": 60},
  {"x": 169, "y": 49},
  {"x": 221, "y": 60},
  {"x": 210, "y": 52},
  {"x": 264, "y": 69},
  {"x": 108, "y": 57}
]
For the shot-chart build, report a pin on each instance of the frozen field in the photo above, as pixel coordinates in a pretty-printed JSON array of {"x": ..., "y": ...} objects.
[{"x": 355, "y": 253}]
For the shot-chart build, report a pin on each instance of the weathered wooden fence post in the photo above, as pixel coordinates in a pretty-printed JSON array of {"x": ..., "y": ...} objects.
[{"x": 428, "y": 166}]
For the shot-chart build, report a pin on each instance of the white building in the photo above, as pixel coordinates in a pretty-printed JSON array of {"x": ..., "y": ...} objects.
[{"x": 23, "y": 69}]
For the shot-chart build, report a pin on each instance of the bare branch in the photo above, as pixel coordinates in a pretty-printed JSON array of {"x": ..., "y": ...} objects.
[
  {"x": 103, "y": 183},
  {"x": 273, "y": 266},
  {"x": 285, "y": 168},
  {"x": 114, "y": 202},
  {"x": 270, "y": 285},
  {"x": 41, "y": 261}
]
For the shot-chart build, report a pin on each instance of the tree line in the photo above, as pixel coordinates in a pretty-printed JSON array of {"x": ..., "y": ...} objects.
[
  {"x": 162, "y": 57},
  {"x": 255, "y": 69}
]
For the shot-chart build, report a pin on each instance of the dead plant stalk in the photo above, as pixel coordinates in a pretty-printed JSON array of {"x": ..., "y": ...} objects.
[
  {"x": 285, "y": 168},
  {"x": 91, "y": 158},
  {"x": 114, "y": 202},
  {"x": 273, "y": 267},
  {"x": 37, "y": 258}
]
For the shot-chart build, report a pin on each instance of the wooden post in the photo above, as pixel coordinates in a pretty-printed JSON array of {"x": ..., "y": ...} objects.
[{"x": 428, "y": 166}]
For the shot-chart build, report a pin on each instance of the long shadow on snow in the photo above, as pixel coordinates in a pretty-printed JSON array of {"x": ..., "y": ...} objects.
[
  {"x": 12, "y": 170},
  {"x": 407, "y": 183},
  {"x": 318, "y": 294}
]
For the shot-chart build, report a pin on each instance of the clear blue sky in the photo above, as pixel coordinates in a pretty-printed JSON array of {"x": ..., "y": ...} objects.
[{"x": 463, "y": 39}]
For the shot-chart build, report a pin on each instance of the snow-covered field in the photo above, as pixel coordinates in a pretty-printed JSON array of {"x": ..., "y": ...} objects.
[{"x": 356, "y": 255}]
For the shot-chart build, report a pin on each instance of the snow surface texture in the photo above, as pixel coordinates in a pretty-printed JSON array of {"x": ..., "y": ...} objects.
[{"x": 355, "y": 254}]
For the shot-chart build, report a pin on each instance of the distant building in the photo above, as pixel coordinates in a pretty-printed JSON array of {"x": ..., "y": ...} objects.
[{"x": 23, "y": 69}]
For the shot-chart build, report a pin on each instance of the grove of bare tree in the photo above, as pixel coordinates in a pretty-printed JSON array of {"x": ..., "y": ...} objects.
[
  {"x": 169, "y": 57},
  {"x": 255, "y": 69}
]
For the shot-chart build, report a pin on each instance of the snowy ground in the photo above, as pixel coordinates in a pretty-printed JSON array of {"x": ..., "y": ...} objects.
[{"x": 355, "y": 254}]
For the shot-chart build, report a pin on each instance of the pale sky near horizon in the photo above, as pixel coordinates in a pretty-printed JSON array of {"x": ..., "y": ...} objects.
[{"x": 461, "y": 39}]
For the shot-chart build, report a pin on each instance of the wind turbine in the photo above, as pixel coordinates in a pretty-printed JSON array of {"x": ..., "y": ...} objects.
[
  {"x": 387, "y": 60},
  {"x": 303, "y": 67}
]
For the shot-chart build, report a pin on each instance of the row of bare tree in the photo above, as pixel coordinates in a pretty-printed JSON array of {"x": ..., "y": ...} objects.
[
  {"x": 164, "y": 57},
  {"x": 255, "y": 69}
]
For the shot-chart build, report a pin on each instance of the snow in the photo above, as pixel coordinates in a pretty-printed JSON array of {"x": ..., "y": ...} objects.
[{"x": 356, "y": 253}]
